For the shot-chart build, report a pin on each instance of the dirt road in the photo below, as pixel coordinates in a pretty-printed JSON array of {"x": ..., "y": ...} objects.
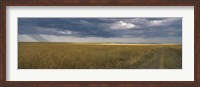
[{"x": 159, "y": 58}]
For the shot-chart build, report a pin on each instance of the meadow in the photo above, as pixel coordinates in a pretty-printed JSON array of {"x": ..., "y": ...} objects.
[{"x": 41, "y": 55}]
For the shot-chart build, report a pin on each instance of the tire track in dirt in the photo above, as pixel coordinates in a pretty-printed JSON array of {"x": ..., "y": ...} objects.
[
  {"x": 172, "y": 59},
  {"x": 161, "y": 66},
  {"x": 156, "y": 62}
]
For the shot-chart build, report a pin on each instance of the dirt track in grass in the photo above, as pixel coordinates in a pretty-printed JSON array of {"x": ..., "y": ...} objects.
[{"x": 160, "y": 58}]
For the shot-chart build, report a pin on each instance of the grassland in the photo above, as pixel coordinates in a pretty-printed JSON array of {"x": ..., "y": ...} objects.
[{"x": 98, "y": 56}]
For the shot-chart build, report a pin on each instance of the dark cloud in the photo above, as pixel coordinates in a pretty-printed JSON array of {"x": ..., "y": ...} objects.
[{"x": 103, "y": 27}]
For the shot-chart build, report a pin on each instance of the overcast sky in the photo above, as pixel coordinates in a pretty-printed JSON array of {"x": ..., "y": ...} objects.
[{"x": 127, "y": 30}]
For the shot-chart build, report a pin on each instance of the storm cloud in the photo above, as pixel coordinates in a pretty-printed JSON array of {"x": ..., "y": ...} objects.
[{"x": 135, "y": 30}]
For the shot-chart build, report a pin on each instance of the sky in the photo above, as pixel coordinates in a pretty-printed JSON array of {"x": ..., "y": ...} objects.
[{"x": 121, "y": 30}]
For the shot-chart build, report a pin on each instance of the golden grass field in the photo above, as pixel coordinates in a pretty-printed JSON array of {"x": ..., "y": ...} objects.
[{"x": 40, "y": 55}]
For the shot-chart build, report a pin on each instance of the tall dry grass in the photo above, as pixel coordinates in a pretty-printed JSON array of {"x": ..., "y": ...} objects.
[{"x": 80, "y": 56}]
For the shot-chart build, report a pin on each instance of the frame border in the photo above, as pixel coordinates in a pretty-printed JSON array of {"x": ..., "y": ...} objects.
[{"x": 4, "y": 83}]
